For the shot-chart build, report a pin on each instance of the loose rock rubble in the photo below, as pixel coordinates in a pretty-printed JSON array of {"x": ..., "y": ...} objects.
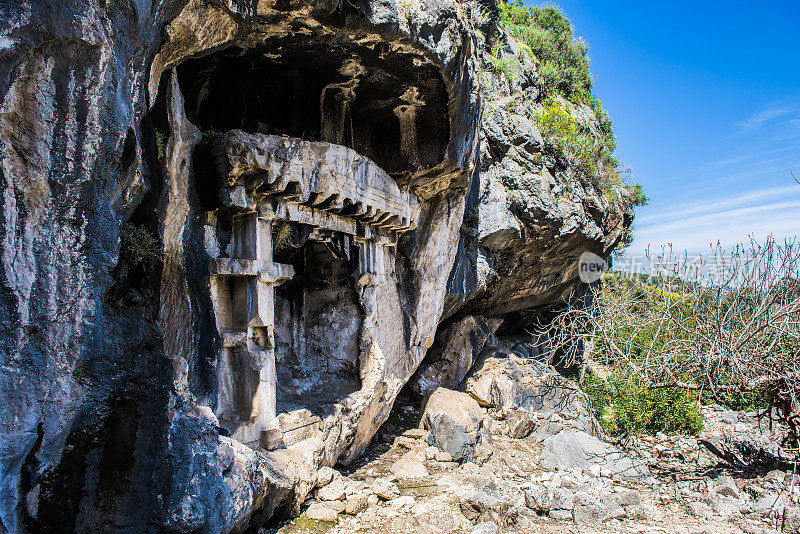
[{"x": 570, "y": 481}]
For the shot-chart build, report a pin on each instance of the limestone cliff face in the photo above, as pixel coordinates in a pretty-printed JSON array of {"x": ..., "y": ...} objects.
[
  {"x": 528, "y": 215},
  {"x": 115, "y": 378}
]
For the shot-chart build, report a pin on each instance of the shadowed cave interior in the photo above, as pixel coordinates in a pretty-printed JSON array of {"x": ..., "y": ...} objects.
[
  {"x": 317, "y": 321},
  {"x": 388, "y": 105}
]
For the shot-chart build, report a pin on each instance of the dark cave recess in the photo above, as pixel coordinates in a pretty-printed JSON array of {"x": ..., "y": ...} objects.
[{"x": 391, "y": 107}]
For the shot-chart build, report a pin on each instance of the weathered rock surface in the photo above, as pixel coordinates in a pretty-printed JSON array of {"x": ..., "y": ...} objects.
[
  {"x": 527, "y": 216},
  {"x": 322, "y": 512},
  {"x": 505, "y": 381},
  {"x": 113, "y": 367},
  {"x": 409, "y": 468},
  {"x": 577, "y": 449},
  {"x": 587, "y": 510},
  {"x": 455, "y": 352},
  {"x": 457, "y": 425},
  {"x": 90, "y": 139},
  {"x": 385, "y": 489}
]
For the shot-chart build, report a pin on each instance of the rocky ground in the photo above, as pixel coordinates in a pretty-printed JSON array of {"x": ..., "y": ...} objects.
[{"x": 557, "y": 478}]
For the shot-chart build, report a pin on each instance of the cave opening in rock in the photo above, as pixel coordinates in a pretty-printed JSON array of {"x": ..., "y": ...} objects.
[
  {"x": 391, "y": 107},
  {"x": 317, "y": 322},
  {"x": 291, "y": 307}
]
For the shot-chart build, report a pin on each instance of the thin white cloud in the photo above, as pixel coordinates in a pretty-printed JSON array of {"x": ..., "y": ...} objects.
[
  {"x": 756, "y": 158},
  {"x": 699, "y": 208},
  {"x": 757, "y": 120},
  {"x": 767, "y": 149},
  {"x": 728, "y": 226},
  {"x": 738, "y": 179}
]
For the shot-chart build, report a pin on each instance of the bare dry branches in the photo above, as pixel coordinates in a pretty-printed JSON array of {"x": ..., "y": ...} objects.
[{"x": 726, "y": 323}]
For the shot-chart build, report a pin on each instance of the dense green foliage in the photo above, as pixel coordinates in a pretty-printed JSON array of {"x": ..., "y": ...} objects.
[
  {"x": 625, "y": 406},
  {"x": 546, "y": 35},
  {"x": 590, "y": 155},
  {"x": 138, "y": 246}
]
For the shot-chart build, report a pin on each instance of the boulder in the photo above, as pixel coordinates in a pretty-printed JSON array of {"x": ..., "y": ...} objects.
[
  {"x": 404, "y": 501},
  {"x": 335, "y": 491},
  {"x": 271, "y": 438},
  {"x": 579, "y": 449},
  {"x": 503, "y": 380},
  {"x": 356, "y": 503},
  {"x": 725, "y": 486},
  {"x": 621, "y": 496},
  {"x": 457, "y": 425},
  {"x": 588, "y": 510},
  {"x": 437, "y": 515},
  {"x": 298, "y": 425},
  {"x": 442, "y": 456},
  {"x": 404, "y": 442},
  {"x": 546, "y": 498},
  {"x": 620, "y": 503},
  {"x": 478, "y": 505},
  {"x": 325, "y": 475},
  {"x": 385, "y": 489},
  {"x": 407, "y": 467},
  {"x": 300, "y": 461},
  {"x": 726, "y": 507},
  {"x": 519, "y": 424},
  {"x": 322, "y": 512},
  {"x": 453, "y": 353}
]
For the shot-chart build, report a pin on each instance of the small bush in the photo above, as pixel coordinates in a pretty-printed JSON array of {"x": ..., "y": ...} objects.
[
  {"x": 637, "y": 194},
  {"x": 565, "y": 138},
  {"x": 282, "y": 234},
  {"x": 208, "y": 135},
  {"x": 161, "y": 144},
  {"x": 599, "y": 392},
  {"x": 745, "y": 401},
  {"x": 606, "y": 126},
  {"x": 546, "y": 32},
  {"x": 638, "y": 410},
  {"x": 556, "y": 125},
  {"x": 138, "y": 246},
  {"x": 507, "y": 67},
  {"x": 627, "y": 407}
]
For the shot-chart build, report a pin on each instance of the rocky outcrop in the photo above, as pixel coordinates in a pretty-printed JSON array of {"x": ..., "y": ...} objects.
[
  {"x": 578, "y": 449},
  {"x": 117, "y": 353},
  {"x": 528, "y": 215},
  {"x": 455, "y": 351},
  {"x": 101, "y": 354},
  {"x": 457, "y": 426},
  {"x": 531, "y": 392}
]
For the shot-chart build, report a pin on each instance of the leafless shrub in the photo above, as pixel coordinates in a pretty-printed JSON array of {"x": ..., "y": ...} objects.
[{"x": 727, "y": 324}]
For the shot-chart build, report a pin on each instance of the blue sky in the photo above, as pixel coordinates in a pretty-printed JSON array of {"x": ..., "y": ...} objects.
[{"x": 705, "y": 99}]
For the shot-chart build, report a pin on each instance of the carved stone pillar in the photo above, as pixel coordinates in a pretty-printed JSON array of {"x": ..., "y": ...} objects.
[
  {"x": 371, "y": 275},
  {"x": 244, "y": 293}
]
